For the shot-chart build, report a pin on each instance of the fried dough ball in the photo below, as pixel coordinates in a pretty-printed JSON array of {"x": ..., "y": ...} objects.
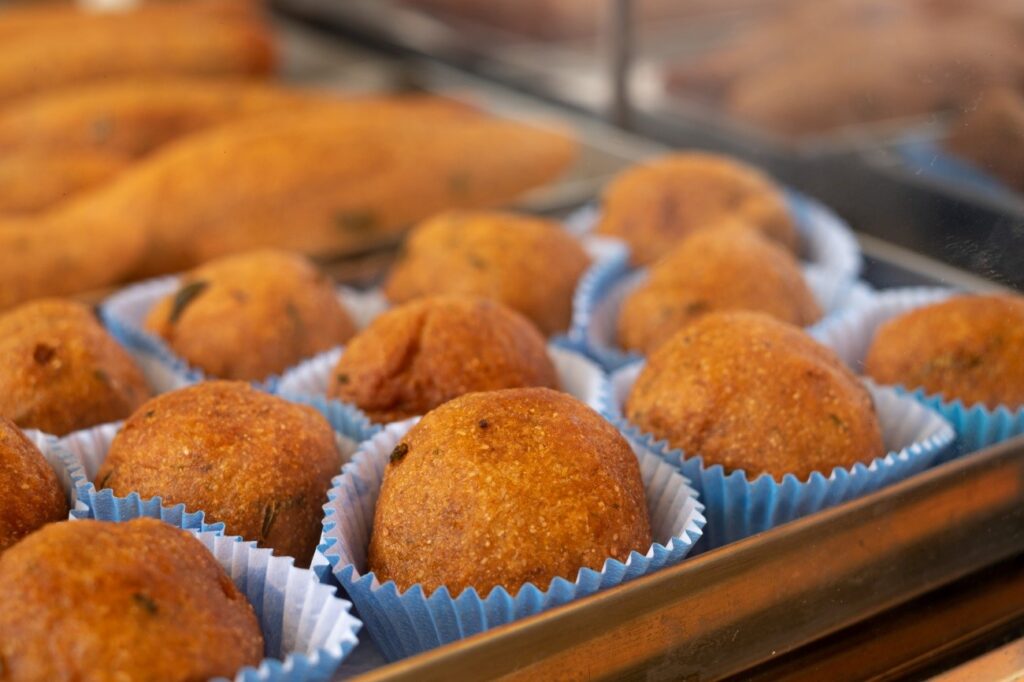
[
  {"x": 31, "y": 493},
  {"x": 654, "y": 205},
  {"x": 251, "y": 315},
  {"x": 259, "y": 463},
  {"x": 60, "y": 371},
  {"x": 968, "y": 348},
  {"x": 504, "y": 488},
  {"x": 141, "y": 600},
  {"x": 728, "y": 268},
  {"x": 749, "y": 392},
  {"x": 424, "y": 353},
  {"x": 530, "y": 264}
]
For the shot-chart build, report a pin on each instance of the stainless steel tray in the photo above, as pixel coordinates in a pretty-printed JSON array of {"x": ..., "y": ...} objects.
[{"x": 749, "y": 604}]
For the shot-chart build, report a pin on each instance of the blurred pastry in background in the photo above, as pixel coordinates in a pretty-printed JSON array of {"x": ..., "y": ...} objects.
[
  {"x": 33, "y": 180},
  {"x": 818, "y": 67},
  {"x": 43, "y": 48},
  {"x": 419, "y": 355},
  {"x": 730, "y": 267},
  {"x": 528, "y": 263},
  {"x": 251, "y": 315},
  {"x": 653, "y": 206},
  {"x": 60, "y": 371},
  {"x": 318, "y": 180},
  {"x": 990, "y": 135}
]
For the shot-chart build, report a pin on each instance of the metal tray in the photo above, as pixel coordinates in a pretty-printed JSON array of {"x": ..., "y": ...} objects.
[{"x": 762, "y": 601}]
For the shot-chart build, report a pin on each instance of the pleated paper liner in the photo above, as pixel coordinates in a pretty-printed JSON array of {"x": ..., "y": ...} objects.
[
  {"x": 406, "y": 622},
  {"x": 306, "y": 628},
  {"x": 850, "y": 335},
  {"x": 603, "y": 289},
  {"x": 737, "y": 507},
  {"x": 125, "y": 312}
]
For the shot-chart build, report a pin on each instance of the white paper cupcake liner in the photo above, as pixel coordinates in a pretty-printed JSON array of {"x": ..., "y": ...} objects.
[
  {"x": 85, "y": 451},
  {"x": 603, "y": 289},
  {"x": 403, "y": 623},
  {"x": 124, "y": 313},
  {"x": 737, "y": 507},
  {"x": 577, "y": 376},
  {"x": 827, "y": 241},
  {"x": 850, "y": 336},
  {"x": 307, "y": 630}
]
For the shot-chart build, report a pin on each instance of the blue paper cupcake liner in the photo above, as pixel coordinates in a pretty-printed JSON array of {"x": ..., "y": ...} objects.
[
  {"x": 827, "y": 241},
  {"x": 309, "y": 381},
  {"x": 929, "y": 160},
  {"x": 83, "y": 453},
  {"x": 403, "y": 623},
  {"x": 850, "y": 335},
  {"x": 125, "y": 311},
  {"x": 602, "y": 290},
  {"x": 307, "y": 630},
  {"x": 737, "y": 507}
]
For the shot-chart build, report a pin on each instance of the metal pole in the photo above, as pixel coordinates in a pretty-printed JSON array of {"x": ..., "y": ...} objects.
[{"x": 620, "y": 56}]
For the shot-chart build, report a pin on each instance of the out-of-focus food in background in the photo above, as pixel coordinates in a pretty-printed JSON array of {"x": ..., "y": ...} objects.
[
  {"x": 991, "y": 136},
  {"x": 814, "y": 67}
]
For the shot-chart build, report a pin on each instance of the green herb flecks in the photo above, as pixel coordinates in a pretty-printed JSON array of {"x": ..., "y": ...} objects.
[
  {"x": 146, "y": 603},
  {"x": 355, "y": 222},
  {"x": 399, "y": 453},
  {"x": 186, "y": 294}
]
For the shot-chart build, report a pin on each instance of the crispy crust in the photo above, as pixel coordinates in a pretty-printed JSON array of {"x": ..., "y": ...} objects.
[
  {"x": 725, "y": 268},
  {"x": 424, "y": 353},
  {"x": 507, "y": 487},
  {"x": 60, "y": 371},
  {"x": 251, "y": 315},
  {"x": 140, "y": 600},
  {"x": 654, "y": 205},
  {"x": 529, "y": 264},
  {"x": 749, "y": 392},
  {"x": 256, "y": 462},
  {"x": 31, "y": 494},
  {"x": 966, "y": 348}
]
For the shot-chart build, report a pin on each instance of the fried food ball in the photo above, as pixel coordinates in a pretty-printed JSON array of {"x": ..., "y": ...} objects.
[
  {"x": 654, "y": 205},
  {"x": 258, "y": 463},
  {"x": 727, "y": 268},
  {"x": 139, "y": 600},
  {"x": 748, "y": 392},
  {"x": 504, "y": 488},
  {"x": 31, "y": 493},
  {"x": 530, "y": 264},
  {"x": 969, "y": 348},
  {"x": 991, "y": 135},
  {"x": 424, "y": 353},
  {"x": 251, "y": 315},
  {"x": 60, "y": 371}
]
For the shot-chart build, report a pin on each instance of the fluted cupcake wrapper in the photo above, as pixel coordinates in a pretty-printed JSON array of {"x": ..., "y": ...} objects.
[
  {"x": 403, "y": 623},
  {"x": 307, "y": 630},
  {"x": 577, "y": 376},
  {"x": 828, "y": 243},
  {"x": 737, "y": 507},
  {"x": 603, "y": 289},
  {"x": 65, "y": 467},
  {"x": 125, "y": 312},
  {"x": 83, "y": 453},
  {"x": 850, "y": 335}
]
